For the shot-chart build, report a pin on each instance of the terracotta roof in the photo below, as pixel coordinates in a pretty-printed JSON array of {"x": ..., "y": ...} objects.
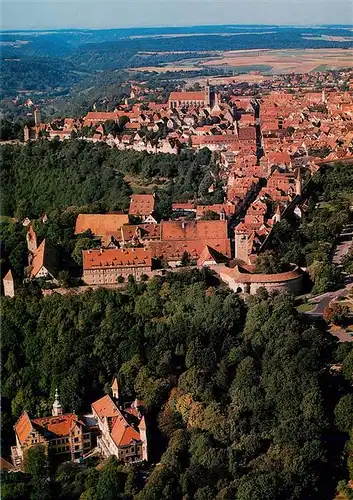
[
  {"x": 23, "y": 427},
  {"x": 174, "y": 250},
  {"x": 105, "y": 407},
  {"x": 100, "y": 224},
  {"x": 247, "y": 134},
  {"x": 187, "y": 96},
  {"x": 116, "y": 258},
  {"x": 45, "y": 255},
  {"x": 229, "y": 209},
  {"x": 183, "y": 206},
  {"x": 245, "y": 276},
  {"x": 59, "y": 425},
  {"x": 142, "y": 231},
  {"x": 194, "y": 230},
  {"x": 123, "y": 433},
  {"x": 8, "y": 276},
  {"x": 142, "y": 204}
]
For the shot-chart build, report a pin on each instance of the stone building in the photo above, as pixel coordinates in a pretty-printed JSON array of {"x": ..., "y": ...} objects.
[
  {"x": 107, "y": 266},
  {"x": 122, "y": 430},
  {"x": 243, "y": 279},
  {"x": 64, "y": 436}
]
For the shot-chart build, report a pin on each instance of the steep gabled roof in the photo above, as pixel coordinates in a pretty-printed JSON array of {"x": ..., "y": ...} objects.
[
  {"x": 44, "y": 256},
  {"x": 23, "y": 427}
]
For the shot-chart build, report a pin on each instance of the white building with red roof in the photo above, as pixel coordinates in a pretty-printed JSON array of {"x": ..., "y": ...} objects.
[{"x": 122, "y": 432}]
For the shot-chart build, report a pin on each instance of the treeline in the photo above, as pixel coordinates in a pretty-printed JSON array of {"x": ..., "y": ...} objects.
[
  {"x": 240, "y": 400},
  {"x": 46, "y": 175}
]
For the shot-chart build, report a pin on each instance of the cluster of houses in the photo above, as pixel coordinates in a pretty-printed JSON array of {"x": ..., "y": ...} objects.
[{"x": 265, "y": 146}]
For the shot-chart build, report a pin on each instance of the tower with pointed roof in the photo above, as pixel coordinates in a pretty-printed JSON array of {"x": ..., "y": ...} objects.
[
  {"x": 115, "y": 389},
  {"x": 9, "y": 285},
  {"x": 57, "y": 408}
]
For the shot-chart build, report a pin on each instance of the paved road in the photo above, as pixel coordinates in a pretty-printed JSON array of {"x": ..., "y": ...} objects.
[{"x": 324, "y": 299}]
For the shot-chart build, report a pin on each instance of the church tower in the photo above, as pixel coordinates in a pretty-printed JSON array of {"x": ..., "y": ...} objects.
[
  {"x": 207, "y": 94},
  {"x": 57, "y": 408}
]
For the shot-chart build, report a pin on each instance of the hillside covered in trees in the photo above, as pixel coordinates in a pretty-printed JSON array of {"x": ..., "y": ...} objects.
[
  {"x": 241, "y": 403},
  {"x": 43, "y": 176}
]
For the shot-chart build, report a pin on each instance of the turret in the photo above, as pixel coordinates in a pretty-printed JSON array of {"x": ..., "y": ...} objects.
[
  {"x": 57, "y": 408},
  {"x": 115, "y": 389},
  {"x": 9, "y": 286}
]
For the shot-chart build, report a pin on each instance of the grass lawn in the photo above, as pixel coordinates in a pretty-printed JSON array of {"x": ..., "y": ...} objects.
[{"x": 306, "y": 307}]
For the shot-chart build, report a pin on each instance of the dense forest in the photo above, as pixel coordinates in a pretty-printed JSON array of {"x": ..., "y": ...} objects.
[
  {"x": 37, "y": 74},
  {"x": 241, "y": 403},
  {"x": 47, "y": 175}
]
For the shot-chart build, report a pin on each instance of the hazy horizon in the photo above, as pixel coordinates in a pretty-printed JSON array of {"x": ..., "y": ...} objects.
[{"x": 38, "y": 15}]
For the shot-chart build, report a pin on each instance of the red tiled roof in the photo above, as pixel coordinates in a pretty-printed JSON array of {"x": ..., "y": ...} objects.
[
  {"x": 105, "y": 407},
  {"x": 250, "y": 277},
  {"x": 100, "y": 224},
  {"x": 23, "y": 427},
  {"x": 187, "y": 96},
  {"x": 229, "y": 209},
  {"x": 194, "y": 230},
  {"x": 142, "y": 204},
  {"x": 116, "y": 258},
  {"x": 147, "y": 231},
  {"x": 43, "y": 256},
  {"x": 59, "y": 425},
  {"x": 247, "y": 134},
  {"x": 123, "y": 433},
  {"x": 173, "y": 250}
]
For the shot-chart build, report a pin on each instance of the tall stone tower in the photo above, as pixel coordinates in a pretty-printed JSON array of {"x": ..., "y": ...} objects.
[
  {"x": 9, "y": 285},
  {"x": 57, "y": 408},
  {"x": 241, "y": 243}
]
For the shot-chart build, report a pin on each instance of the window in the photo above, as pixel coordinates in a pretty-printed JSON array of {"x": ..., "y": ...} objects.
[
  {"x": 76, "y": 440},
  {"x": 77, "y": 447}
]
